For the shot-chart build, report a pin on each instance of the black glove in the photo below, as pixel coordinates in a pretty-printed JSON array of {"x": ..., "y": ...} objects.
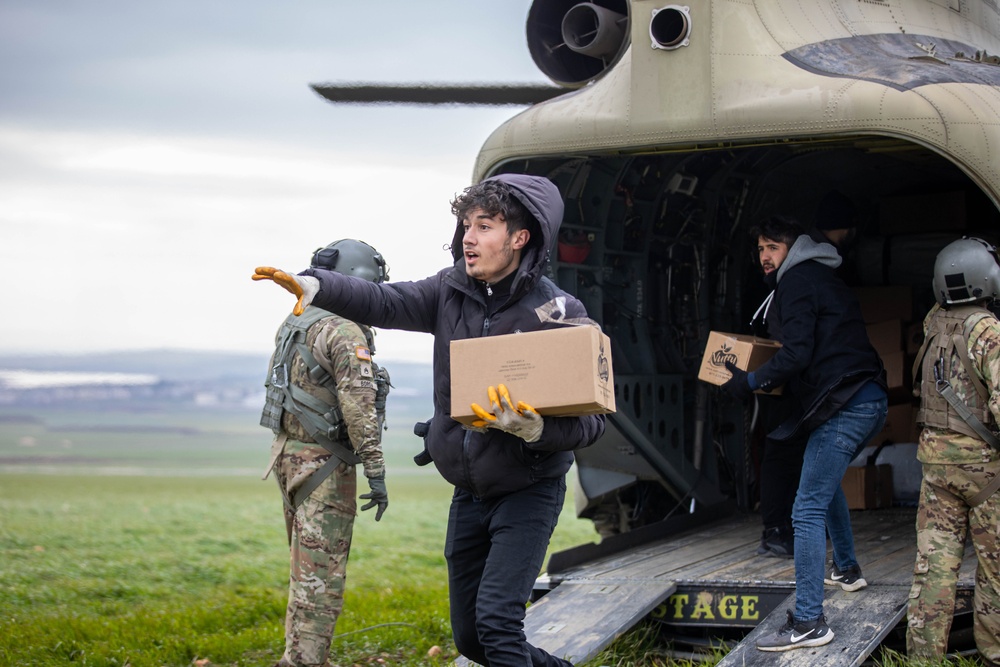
[
  {"x": 737, "y": 386},
  {"x": 378, "y": 496},
  {"x": 421, "y": 429}
]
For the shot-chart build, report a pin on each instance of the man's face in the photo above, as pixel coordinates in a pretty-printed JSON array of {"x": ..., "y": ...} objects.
[
  {"x": 490, "y": 253},
  {"x": 771, "y": 254},
  {"x": 840, "y": 238}
]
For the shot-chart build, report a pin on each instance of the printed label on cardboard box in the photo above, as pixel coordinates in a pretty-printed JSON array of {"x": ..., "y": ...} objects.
[
  {"x": 559, "y": 372},
  {"x": 746, "y": 352}
]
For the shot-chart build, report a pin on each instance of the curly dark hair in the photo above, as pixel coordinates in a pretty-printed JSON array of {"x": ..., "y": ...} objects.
[
  {"x": 496, "y": 197},
  {"x": 780, "y": 228}
]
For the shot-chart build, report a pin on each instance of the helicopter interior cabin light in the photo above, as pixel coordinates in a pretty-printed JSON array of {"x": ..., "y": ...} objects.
[
  {"x": 670, "y": 27},
  {"x": 683, "y": 184}
]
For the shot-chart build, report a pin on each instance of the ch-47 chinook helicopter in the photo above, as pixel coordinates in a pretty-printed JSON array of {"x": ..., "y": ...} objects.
[{"x": 670, "y": 129}]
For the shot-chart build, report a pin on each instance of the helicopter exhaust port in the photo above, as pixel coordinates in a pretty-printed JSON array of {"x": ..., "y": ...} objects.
[
  {"x": 573, "y": 42},
  {"x": 593, "y": 30},
  {"x": 670, "y": 27}
]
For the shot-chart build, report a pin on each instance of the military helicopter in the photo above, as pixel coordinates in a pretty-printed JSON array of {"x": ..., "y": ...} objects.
[{"x": 669, "y": 129}]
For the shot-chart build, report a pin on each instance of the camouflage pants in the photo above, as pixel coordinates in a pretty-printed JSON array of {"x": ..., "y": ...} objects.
[
  {"x": 320, "y": 542},
  {"x": 943, "y": 520}
]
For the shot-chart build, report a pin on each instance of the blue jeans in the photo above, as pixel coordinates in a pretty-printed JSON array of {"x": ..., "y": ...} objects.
[
  {"x": 495, "y": 549},
  {"x": 820, "y": 505}
]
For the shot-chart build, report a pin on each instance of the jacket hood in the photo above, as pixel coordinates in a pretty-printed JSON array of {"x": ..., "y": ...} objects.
[
  {"x": 542, "y": 199},
  {"x": 805, "y": 249}
]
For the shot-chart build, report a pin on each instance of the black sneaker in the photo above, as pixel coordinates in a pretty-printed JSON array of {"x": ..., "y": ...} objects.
[
  {"x": 797, "y": 635},
  {"x": 850, "y": 579},
  {"x": 776, "y": 542}
]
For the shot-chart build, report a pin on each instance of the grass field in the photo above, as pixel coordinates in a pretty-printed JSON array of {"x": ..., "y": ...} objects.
[
  {"x": 160, "y": 570},
  {"x": 116, "y": 570},
  {"x": 172, "y": 442},
  {"x": 150, "y": 540}
]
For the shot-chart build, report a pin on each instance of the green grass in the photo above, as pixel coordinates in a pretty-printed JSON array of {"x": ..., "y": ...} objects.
[
  {"x": 164, "y": 571},
  {"x": 157, "y": 544},
  {"x": 176, "y": 442}
]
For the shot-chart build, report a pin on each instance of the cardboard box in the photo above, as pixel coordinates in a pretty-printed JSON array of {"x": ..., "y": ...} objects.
[
  {"x": 886, "y": 336},
  {"x": 899, "y": 425},
  {"x": 895, "y": 369},
  {"x": 559, "y": 372},
  {"x": 892, "y": 302},
  {"x": 868, "y": 486},
  {"x": 747, "y": 352},
  {"x": 922, "y": 212}
]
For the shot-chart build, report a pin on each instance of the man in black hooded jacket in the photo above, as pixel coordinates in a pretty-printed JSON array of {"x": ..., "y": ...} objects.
[
  {"x": 509, "y": 477},
  {"x": 834, "y": 372}
]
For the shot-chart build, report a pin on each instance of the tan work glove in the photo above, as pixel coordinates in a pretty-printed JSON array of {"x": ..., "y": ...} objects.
[
  {"x": 303, "y": 287},
  {"x": 521, "y": 421}
]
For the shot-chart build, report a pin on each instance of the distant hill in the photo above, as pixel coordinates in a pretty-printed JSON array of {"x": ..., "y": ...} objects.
[
  {"x": 181, "y": 365},
  {"x": 188, "y": 377},
  {"x": 170, "y": 365}
]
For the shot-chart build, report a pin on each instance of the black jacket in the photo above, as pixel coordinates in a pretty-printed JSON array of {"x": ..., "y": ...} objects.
[
  {"x": 825, "y": 355},
  {"x": 451, "y": 306}
]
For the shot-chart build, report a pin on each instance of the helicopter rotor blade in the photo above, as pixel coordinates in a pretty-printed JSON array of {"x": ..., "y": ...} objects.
[{"x": 437, "y": 94}]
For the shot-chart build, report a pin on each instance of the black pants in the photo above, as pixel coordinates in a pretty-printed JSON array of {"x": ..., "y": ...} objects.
[
  {"x": 780, "y": 463},
  {"x": 780, "y": 467},
  {"x": 495, "y": 550}
]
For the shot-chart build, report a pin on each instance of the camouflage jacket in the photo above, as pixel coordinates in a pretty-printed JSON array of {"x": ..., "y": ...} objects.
[
  {"x": 341, "y": 347},
  {"x": 942, "y": 445}
]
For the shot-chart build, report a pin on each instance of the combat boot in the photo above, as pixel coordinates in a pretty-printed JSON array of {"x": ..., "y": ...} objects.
[{"x": 778, "y": 542}]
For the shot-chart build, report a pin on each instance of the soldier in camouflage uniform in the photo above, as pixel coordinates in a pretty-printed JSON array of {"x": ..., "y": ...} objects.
[
  {"x": 961, "y": 353},
  {"x": 322, "y": 394}
]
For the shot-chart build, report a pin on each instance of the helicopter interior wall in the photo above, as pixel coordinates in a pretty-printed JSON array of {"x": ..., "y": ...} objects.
[{"x": 656, "y": 247}]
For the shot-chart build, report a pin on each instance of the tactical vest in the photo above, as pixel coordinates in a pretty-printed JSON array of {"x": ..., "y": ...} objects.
[
  {"x": 323, "y": 421},
  {"x": 945, "y": 342}
]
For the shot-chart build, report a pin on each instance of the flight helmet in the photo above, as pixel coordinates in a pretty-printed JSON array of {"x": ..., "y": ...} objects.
[
  {"x": 966, "y": 271},
  {"x": 352, "y": 258}
]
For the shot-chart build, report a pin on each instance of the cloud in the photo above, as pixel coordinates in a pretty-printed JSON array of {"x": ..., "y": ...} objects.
[
  {"x": 128, "y": 242},
  {"x": 152, "y": 154}
]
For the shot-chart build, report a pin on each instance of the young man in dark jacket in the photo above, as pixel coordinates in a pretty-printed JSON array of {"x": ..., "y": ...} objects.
[
  {"x": 830, "y": 366},
  {"x": 509, "y": 478}
]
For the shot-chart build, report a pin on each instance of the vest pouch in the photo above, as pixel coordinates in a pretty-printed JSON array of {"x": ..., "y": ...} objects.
[{"x": 270, "y": 416}]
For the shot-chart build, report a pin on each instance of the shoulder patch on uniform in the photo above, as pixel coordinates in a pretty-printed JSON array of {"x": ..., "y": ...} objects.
[{"x": 363, "y": 353}]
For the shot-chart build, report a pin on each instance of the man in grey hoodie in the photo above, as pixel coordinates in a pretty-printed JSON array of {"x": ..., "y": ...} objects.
[
  {"x": 509, "y": 476},
  {"x": 831, "y": 368}
]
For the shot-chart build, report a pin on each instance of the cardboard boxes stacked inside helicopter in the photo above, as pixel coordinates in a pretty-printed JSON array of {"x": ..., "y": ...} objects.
[
  {"x": 559, "y": 372},
  {"x": 747, "y": 352},
  {"x": 896, "y": 336},
  {"x": 889, "y": 319}
]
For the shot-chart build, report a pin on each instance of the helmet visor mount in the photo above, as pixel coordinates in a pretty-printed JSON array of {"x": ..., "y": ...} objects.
[{"x": 325, "y": 258}]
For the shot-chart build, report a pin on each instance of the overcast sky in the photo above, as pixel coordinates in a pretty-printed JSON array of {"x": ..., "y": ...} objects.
[{"x": 153, "y": 153}]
